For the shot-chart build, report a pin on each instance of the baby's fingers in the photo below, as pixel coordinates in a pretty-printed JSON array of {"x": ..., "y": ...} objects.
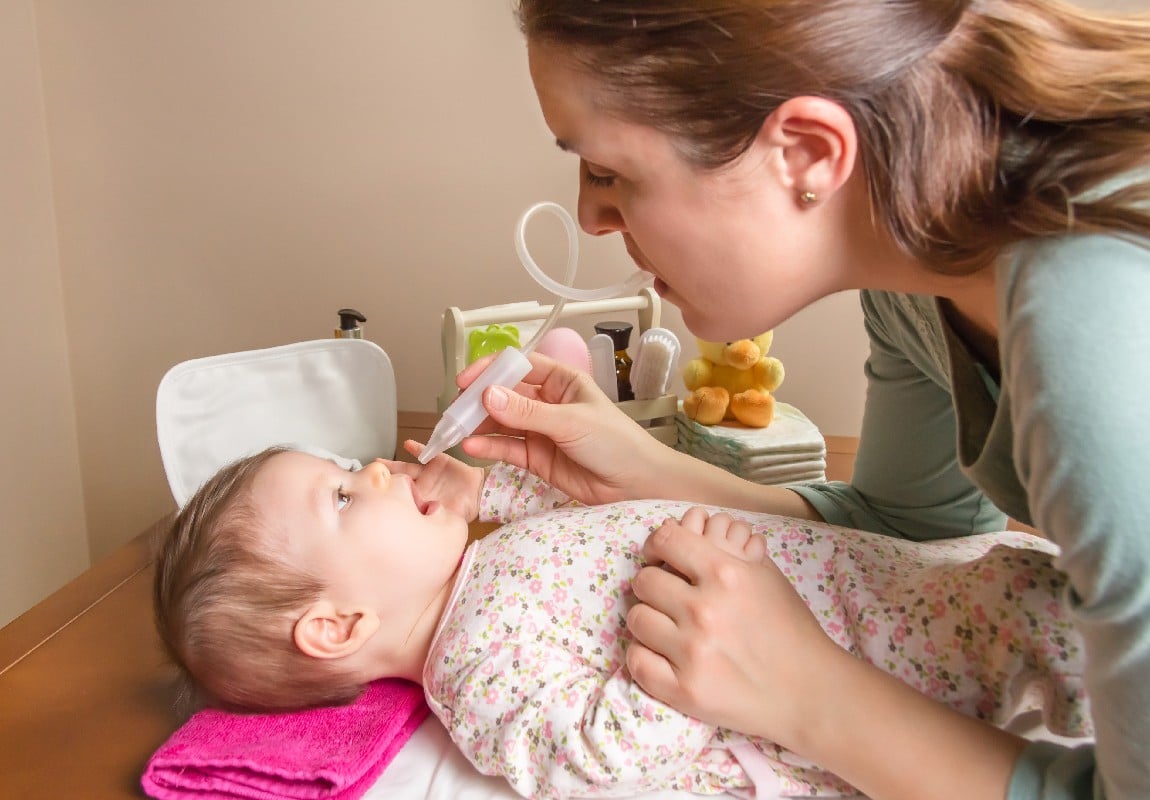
[
  {"x": 413, "y": 447},
  {"x": 694, "y": 520},
  {"x": 404, "y": 468}
]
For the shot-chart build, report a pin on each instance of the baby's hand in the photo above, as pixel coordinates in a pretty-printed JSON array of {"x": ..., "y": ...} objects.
[
  {"x": 732, "y": 535},
  {"x": 449, "y": 481}
]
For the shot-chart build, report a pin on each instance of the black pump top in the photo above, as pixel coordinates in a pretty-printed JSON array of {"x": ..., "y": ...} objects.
[
  {"x": 349, "y": 319},
  {"x": 620, "y": 332}
]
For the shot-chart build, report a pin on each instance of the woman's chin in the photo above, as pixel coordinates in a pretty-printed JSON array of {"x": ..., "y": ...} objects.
[{"x": 715, "y": 328}]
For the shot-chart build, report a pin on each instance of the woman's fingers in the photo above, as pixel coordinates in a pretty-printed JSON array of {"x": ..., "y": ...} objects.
[
  {"x": 548, "y": 380},
  {"x": 683, "y": 551},
  {"x": 510, "y": 449},
  {"x": 648, "y": 665},
  {"x": 755, "y": 548},
  {"x": 664, "y": 591},
  {"x": 667, "y": 629}
]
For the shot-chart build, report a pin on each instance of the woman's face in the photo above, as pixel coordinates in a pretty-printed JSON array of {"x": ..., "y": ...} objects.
[{"x": 730, "y": 247}]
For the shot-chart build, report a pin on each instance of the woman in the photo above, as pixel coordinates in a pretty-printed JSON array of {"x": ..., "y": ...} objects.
[{"x": 978, "y": 169}]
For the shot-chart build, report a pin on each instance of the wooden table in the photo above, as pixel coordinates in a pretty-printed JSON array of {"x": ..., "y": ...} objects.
[{"x": 84, "y": 694}]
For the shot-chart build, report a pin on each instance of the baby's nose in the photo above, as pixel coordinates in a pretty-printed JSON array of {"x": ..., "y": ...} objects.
[{"x": 378, "y": 473}]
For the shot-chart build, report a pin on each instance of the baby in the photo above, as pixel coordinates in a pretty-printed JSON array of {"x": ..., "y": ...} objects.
[{"x": 288, "y": 582}]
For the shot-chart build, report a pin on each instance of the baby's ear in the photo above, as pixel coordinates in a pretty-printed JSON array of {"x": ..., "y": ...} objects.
[{"x": 325, "y": 631}]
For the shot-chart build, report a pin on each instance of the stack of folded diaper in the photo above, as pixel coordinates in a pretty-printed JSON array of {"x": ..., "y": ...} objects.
[{"x": 789, "y": 450}]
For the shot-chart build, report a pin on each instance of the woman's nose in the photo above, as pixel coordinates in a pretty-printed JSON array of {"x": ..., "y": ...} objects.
[{"x": 597, "y": 214}]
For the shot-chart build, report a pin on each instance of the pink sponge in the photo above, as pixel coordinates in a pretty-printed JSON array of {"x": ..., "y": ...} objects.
[{"x": 566, "y": 346}]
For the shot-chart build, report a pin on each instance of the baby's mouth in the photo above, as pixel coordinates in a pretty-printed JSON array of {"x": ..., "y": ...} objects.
[{"x": 424, "y": 506}]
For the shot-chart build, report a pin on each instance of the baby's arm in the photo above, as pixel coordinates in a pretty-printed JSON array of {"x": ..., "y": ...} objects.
[{"x": 510, "y": 493}]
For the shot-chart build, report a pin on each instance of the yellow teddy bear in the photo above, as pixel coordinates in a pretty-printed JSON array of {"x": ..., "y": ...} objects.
[{"x": 733, "y": 380}]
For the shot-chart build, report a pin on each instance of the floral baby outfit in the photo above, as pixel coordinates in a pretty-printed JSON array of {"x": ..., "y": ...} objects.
[{"x": 527, "y": 669}]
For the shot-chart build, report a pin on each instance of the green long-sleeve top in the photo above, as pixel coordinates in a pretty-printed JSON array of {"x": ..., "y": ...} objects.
[{"x": 1061, "y": 441}]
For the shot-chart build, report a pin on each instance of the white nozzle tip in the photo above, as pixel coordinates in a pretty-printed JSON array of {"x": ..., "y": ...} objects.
[{"x": 446, "y": 435}]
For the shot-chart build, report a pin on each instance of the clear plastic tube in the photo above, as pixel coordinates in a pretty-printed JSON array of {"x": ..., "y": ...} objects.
[
  {"x": 632, "y": 284},
  {"x": 465, "y": 413}
]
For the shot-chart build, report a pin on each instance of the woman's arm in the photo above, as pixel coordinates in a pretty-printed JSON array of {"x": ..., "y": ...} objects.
[
  {"x": 907, "y": 481},
  {"x": 1074, "y": 342},
  {"x": 559, "y": 426}
]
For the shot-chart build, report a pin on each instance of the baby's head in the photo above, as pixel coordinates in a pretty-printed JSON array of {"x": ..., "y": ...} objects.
[{"x": 288, "y": 582}]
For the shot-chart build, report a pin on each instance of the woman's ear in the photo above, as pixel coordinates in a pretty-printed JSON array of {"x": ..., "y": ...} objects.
[
  {"x": 815, "y": 143},
  {"x": 327, "y": 632}
]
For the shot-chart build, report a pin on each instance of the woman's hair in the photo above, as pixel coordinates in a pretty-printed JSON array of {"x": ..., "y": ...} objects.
[
  {"x": 226, "y": 602},
  {"x": 980, "y": 122}
]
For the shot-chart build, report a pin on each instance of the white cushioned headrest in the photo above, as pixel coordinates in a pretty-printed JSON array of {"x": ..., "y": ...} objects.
[{"x": 335, "y": 396}]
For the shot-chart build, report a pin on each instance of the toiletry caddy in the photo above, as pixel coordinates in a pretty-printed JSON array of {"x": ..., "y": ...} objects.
[{"x": 656, "y": 415}]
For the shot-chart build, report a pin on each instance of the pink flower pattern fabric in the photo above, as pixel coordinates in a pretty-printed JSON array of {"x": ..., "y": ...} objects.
[{"x": 527, "y": 670}]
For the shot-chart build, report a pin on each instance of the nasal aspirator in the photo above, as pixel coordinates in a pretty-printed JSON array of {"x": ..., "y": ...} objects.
[{"x": 465, "y": 413}]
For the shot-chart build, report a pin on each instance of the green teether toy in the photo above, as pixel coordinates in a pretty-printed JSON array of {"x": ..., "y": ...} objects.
[{"x": 492, "y": 339}]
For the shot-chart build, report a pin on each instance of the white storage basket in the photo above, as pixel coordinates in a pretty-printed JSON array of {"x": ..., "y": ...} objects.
[{"x": 657, "y": 415}]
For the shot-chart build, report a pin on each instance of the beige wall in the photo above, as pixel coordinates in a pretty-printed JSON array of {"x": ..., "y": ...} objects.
[
  {"x": 229, "y": 174},
  {"x": 43, "y": 542},
  {"x": 225, "y": 176}
]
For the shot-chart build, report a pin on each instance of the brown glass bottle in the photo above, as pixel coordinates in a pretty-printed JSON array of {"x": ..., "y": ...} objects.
[{"x": 620, "y": 333}]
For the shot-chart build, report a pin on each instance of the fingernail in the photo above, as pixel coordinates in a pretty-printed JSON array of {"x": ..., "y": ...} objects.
[{"x": 497, "y": 398}]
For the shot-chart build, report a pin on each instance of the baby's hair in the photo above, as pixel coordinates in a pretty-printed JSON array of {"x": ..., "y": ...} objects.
[{"x": 227, "y": 600}]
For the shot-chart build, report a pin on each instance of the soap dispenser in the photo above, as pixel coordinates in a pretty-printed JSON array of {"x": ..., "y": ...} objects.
[{"x": 349, "y": 321}]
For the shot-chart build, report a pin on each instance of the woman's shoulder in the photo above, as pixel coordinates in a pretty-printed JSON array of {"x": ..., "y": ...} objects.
[
  {"x": 1074, "y": 263},
  {"x": 1073, "y": 324},
  {"x": 1098, "y": 281}
]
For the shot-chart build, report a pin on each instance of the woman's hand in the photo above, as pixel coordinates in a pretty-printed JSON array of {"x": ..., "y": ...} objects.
[
  {"x": 447, "y": 480},
  {"x": 730, "y": 641},
  {"x": 721, "y": 636},
  {"x": 558, "y": 425}
]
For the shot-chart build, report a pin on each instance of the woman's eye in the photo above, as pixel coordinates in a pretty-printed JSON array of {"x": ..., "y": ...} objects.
[
  {"x": 596, "y": 180},
  {"x": 342, "y": 499}
]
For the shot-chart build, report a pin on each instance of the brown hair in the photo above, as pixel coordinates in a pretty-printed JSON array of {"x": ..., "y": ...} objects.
[
  {"x": 226, "y": 602},
  {"x": 980, "y": 122}
]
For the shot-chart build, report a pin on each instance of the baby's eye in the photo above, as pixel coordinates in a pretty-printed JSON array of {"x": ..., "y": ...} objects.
[{"x": 342, "y": 499}]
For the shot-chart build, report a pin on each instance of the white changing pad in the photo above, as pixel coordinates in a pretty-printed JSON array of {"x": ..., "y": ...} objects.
[{"x": 430, "y": 767}]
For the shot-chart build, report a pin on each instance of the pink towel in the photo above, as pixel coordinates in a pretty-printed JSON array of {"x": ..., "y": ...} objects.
[{"x": 319, "y": 754}]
